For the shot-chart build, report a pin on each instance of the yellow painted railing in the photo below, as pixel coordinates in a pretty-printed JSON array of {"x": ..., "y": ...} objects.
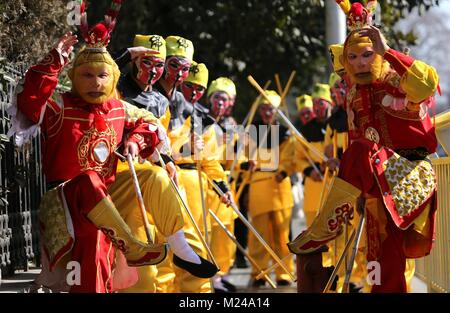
[{"x": 434, "y": 269}]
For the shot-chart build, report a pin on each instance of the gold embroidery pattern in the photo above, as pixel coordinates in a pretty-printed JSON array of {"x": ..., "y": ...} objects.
[
  {"x": 86, "y": 156},
  {"x": 47, "y": 60},
  {"x": 351, "y": 95},
  {"x": 384, "y": 128},
  {"x": 340, "y": 215},
  {"x": 373, "y": 236},
  {"x": 118, "y": 242},
  {"x": 411, "y": 183},
  {"x": 393, "y": 79},
  {"x": 53, "y": 218}
]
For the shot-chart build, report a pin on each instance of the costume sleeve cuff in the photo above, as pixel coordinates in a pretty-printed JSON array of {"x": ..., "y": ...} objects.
[
  {"x": 222, "y": 186},
  {"x": 51, "y": 64},
  {"x": 399, "y": 61}
]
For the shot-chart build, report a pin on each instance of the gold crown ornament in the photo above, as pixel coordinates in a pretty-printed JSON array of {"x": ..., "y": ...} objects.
[{"x": 358, "y": 15}]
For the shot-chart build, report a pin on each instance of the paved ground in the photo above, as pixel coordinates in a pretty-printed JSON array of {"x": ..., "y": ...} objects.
[{"x": 20, "y": 281}]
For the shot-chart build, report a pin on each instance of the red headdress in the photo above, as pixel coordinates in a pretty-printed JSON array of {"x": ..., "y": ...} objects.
[
  {"x": 358, "y": 16},
  {"x": 98, "y": 36}
]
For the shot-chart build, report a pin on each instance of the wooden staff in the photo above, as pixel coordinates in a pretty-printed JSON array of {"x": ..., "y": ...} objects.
[
  {"x": 355, "y": 233},
  {"x": 188, "y": 211},
  {"x": 272, "y": 267},
  {"x": 241, "y": 248},
  {"x": 296, "y": 133},
  {"x": 253, "y": 230},
  {"x": 353, "y": 257},
  {"x": 283, "y": 93},
  {"x": 137, "y": 188},
  {"x": 140, "y": 199},
  {"x": 249, "y": 120},
  {"x": 202, "y": 192}
]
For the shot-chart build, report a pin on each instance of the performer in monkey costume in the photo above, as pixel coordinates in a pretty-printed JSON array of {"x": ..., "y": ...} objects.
[
  {"x": 81, "y": 129},
  {"x": 386, "y": 164}
]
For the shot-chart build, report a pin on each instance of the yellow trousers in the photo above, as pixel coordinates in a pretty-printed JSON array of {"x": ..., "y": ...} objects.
[
  {"x": 274, "y": 228},
  {"x": 222, "y": 247},
  {"x": 311, "y": 205},
  {"x": 161, "y": 203},
  {"x": 311, "y": 200},
  {"x": 171, "y": 278}
]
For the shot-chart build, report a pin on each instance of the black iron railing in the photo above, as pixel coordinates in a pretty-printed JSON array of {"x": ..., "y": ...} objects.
[{"x": 21, "y": 186}]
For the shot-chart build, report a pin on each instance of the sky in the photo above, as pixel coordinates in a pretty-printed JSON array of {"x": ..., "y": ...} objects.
[{"x": 433, "y": 45}]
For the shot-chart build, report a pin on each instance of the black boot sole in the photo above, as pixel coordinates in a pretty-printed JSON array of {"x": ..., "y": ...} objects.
[{"x": 203, "y": 270}]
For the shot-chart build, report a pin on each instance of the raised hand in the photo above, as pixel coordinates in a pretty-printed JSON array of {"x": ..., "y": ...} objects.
[
  {"x": 140, "y": 51},
  {"x": 380, "y": 45},
  {"x": 65, "y": 44}
]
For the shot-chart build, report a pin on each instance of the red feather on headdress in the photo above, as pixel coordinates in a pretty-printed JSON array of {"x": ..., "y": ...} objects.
[{"x": 100, "y": 34}]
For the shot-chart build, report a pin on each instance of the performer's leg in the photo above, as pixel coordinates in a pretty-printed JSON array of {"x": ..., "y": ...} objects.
[
  {"x": 311, "y": 199},
  {"x": 281, "y": 221},
  {"x": 223, "y": 252},
  {"x": 392, "y": 261},
  {"x": 163, "y": 209},
  {"x": 222, "y": 247},
  {"x": 184, "y": 281},
  {"x": 230, "y": 258},
  {"x": 355, "y": 177},
  {"x": 409, "y": 273},
  {"x": 165, "y": 278},
  {"x": 160, "y": 200},
  {"x": 339, "y": 204},
  {"x": 146, "y": 274},
  {"x": 88, "y": 199},
  {"x": 256, "y": 250},
  {"x": 92, "y": 251}
]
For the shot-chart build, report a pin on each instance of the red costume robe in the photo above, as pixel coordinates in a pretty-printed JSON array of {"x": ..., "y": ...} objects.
[
  {"x": 79, "y": 140},
  {"x": 388, "y": 119}
]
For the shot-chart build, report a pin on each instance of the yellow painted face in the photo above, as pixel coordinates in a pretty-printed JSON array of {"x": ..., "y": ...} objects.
[
  {"x": 360, "y": 60},
  {"x": 94, "y": 82}
]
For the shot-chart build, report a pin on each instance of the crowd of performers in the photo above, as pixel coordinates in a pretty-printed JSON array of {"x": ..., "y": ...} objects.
[{"x": 132, "y": 135}]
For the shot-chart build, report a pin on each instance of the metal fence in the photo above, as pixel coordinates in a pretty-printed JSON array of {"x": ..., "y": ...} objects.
[
  {"x": 435, "y": 268},
  {"x": 21, "y": 187}
]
